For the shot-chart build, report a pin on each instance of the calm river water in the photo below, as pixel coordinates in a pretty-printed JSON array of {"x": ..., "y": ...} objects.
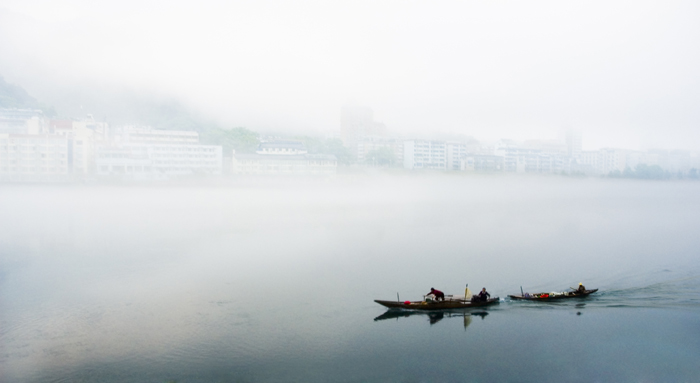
[{"x": 264, "y": 280}]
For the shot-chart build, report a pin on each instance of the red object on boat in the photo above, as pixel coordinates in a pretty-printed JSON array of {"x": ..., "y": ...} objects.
[{"x": 407, "y": 303}]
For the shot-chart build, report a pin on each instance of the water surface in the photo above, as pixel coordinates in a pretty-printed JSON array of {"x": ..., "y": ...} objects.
[{"x": 263, "y": 280}]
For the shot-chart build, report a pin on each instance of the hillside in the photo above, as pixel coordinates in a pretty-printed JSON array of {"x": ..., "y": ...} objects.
[{"x": 13, "y": 96}]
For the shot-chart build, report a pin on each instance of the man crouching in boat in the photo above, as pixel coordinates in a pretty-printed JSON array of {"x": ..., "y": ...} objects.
[
  {"x": 581, "y": 289},
  {"x": 484, "y": 295},
  {"x": 439, "y": 295}
]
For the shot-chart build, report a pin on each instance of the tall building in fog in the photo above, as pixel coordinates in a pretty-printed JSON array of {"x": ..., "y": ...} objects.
[
  {"x": 574, "y": 144},
  {"x": 357, "y": 122}
]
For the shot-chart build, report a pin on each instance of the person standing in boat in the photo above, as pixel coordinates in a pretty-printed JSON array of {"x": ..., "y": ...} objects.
[
  {"x": 581, "y": 289},
  {"x": 484, "y": 295},
  {"x": 439, "y": 295}
]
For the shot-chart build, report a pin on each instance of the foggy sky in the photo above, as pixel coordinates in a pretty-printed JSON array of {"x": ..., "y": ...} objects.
[{"x": 624, "y": 73}]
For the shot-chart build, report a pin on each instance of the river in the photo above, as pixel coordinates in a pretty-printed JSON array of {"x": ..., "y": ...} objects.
[{"x": 273, "y": 280}]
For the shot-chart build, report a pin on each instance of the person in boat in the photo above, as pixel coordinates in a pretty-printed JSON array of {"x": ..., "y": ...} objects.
[
  {"x": 439, "y": 295},
  {"x": 581, "y": 289},
  {"x": 484, "y": 295}
]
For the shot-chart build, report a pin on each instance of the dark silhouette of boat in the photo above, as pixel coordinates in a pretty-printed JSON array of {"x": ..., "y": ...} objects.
[{"x": 437, "y": 305}]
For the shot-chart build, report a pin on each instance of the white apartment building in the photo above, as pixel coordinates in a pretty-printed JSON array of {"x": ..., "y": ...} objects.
[
  {"x": 34, "y": 158},
  {"x": 283, "y": 157},
  {"x": 157, "y": 161},
  {"x": 604, "y": 161},
  {"x": 534, "y": 156},
  {"x": 146, "y": 153},
  {"x": 146, "y": 134},
  {"x": 425, "y": 154},
  {"x": 455, "y": 152},
  {"x": 22, "y": 121}
]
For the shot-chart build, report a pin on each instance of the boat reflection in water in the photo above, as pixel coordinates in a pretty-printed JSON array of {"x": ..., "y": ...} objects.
[{"x": 433, "y": 316}]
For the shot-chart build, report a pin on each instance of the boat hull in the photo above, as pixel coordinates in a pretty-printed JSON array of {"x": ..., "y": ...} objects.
[
  {"x": 555, "y": 298},
  {"x": 442, "y": 305}
]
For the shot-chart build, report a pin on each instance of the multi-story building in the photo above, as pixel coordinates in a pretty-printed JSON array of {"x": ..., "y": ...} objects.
[
  {"x": 148, "y": 135},
  {"x": 482, "y": 163},
  {"x": 35, "y": 157},
  {"x": 83, "y": 134},
  {"x": 22, "y": 121},
  {"x": 157, "y": 161},
  {"x": 574, "y": 143},
  {"x": 603, "y": 161},
  {"x": 425, "y": 154},
  {"x": 283, "y": 157},
  {"x": 455, "y": 152},
  {"x": 369, "y": 144},
  {"x": 534, "y": 156},
  {"x": 357, "y": 122},
  {"x": 146, "y": 153}
]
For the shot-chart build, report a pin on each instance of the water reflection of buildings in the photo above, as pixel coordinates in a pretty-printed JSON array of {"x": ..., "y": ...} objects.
[{"x": 433, "y": 316}]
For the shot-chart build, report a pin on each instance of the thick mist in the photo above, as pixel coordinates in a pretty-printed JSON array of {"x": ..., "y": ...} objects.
[{"x": 622, "y": 72}]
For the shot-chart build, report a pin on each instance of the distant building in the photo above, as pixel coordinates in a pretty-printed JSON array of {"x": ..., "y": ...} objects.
[
  {"x": 533, "y": 156},
  {"x": 148, "y": 135},
  {"x": 604, "y": 161},
  {"x": 455, "y": 152},
  {"x": 574, "y": 144},
  {"x": 21, "y": 121},
  {"x": 157, "y": 161},
  {"x": 482, "y": 163},
  {"x": 425, "y": 154},
  {"x": 357, "y": 122},
  {"x": 35, "y": 158},
  {"x": 369, "y": 144},
  {"x": 146, "y": 153},
  {"x": 39, "y": 149},
  {"x": 283, "y": 157}
]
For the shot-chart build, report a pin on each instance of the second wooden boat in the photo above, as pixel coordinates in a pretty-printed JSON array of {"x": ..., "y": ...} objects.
[{"x": 553, "y": 296}]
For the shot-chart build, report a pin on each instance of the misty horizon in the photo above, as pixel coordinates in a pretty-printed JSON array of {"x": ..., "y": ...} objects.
[{"x": 622, "y": 74}]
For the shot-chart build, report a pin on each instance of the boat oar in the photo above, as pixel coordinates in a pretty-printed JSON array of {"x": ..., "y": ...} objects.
[
  {"x": 397, "y": 297},
  {"x": 522, "y": 294}
]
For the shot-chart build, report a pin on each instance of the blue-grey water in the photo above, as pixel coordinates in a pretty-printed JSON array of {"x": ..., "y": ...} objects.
[{"x": 265, "y": 280}]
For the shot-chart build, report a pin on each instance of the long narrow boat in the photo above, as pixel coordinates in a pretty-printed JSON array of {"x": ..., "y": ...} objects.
[
  {"x": 553, "y": 296},
  {"x": 439, "y": 305}
]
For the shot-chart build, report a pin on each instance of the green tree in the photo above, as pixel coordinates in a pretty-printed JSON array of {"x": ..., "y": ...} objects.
[
  {"x": 333, "y": 146},
  {"x": 653, "y": 172},
  {"x": 344, "y": 155},
  {"x": 380, "y": 157}
]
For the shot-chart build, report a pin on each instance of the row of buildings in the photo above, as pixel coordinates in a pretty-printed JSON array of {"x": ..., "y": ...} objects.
[
  {"x": 34, "y": 148},
  {"x": 370, "y": 142},
  {"x": 38, "y": 149},
  {"x": 532, "y": 156}
]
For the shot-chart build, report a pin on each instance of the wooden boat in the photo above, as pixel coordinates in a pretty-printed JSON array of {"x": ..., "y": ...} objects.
[
  {"x": 555, "y": 296},
  {"x": 436, "y": 305}
]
